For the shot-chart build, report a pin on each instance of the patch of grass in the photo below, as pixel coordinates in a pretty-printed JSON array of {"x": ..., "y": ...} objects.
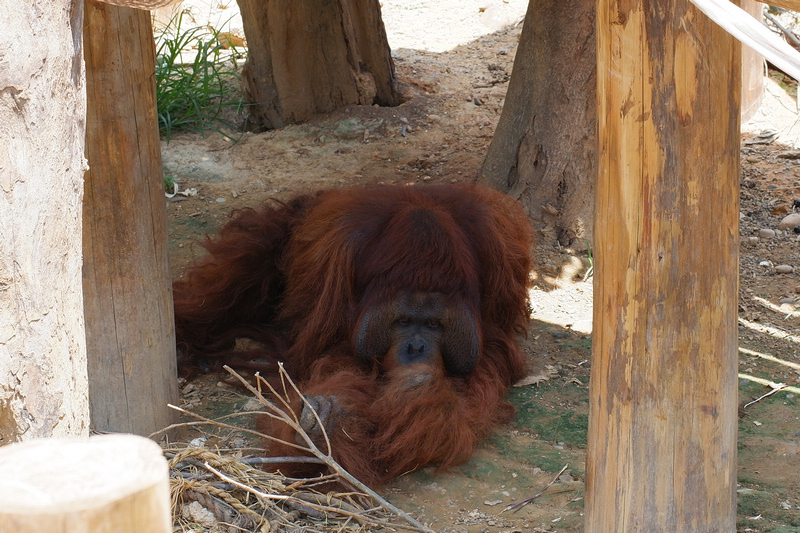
[
  {"x": 194, "y": 95},
  {"x": 537, "y": 453},
  {"x": 169, "y": 183},
  {"x": 480, "y": 468},
  {"x": 751, "y": 502},
  {"x": 551, "y": 425}
]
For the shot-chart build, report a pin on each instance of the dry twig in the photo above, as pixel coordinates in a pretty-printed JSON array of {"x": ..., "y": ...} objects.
[
  {"x": 520, "y": 504},
  {"x": 240, "y": 493}
]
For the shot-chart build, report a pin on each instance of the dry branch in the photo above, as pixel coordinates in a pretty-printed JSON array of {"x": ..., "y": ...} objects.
[{"x": 240, "y": 494}]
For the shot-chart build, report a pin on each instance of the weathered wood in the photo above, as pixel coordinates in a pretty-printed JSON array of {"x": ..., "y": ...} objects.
[
  {"x": 127, "y": 290},
  {"x": 116, "y": 483},
  {"x": 794, "y": 5},
  {"x": 543, "y": 151},
  {"x": 313, "y": 56},
  {"x": 752, "y": 68},
  {"x": 43, "y": 383},
  {"x": 663, "y": 411}
]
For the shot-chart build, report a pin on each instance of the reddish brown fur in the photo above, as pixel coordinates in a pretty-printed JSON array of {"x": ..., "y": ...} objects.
[{"x": 299, "y": 277}]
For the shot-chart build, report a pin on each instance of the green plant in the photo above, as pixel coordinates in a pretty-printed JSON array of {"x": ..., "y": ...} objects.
[
  {"x": 192, "y": 95},
  {"x": 169, "y": 183}
]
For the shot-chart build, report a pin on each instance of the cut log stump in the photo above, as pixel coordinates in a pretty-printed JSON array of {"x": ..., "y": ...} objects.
[{"x": 104, "y": 484}]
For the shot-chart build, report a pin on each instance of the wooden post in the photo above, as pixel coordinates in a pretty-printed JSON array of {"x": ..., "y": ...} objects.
[
  {"x": 116, "y": 483},
  {"x": 663, "y": 409},
  {"x": 127, "y": 290},
  {"x": 752, "y": 68}
]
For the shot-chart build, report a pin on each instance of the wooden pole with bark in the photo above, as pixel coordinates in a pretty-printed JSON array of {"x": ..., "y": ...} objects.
[
  {"x": 127, "y": 287},
  {"x": 308, "y": 57},
  {"x": 663, "y": 411}
]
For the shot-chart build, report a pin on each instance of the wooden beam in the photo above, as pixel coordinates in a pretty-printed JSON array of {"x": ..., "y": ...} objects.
[
  {"x": 794, "y": 5},
  {"x": 663, "y": 411},
  {"x": 752, "y": 33}
]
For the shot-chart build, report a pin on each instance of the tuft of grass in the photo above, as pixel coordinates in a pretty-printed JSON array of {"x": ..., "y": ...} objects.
[
  {"x": 169, "y": 183},
  {"x": 193, "y": 95}
]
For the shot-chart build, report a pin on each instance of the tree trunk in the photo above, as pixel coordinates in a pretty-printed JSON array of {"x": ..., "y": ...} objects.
[
  {"x": 43, "y": 382},
  {"x": 128, "y": 300},
  {"x": 543, "y": 151},
  {"x": 313, "y": 56},
  {"x": 663, "y": 411}
]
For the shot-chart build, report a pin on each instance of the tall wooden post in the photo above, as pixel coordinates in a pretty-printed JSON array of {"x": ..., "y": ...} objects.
[
  {"x": 127, "y": 290},
  {"x": 662, "y": 430}
]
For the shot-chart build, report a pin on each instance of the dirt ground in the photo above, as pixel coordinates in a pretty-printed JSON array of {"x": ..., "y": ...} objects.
[{"x": 441, "y": 134}]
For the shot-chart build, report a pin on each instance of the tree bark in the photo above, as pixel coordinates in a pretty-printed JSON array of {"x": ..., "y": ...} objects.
[
  {"x": 43, "y": 382},
  {"x": 313, "y": 56},
  {"x": 128, "y": 300},
  {"x": 543, "y": 151},
  {"x": 663, "y": 411}
]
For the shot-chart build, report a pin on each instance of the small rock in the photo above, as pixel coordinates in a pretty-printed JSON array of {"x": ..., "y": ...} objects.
[
  {"x": 502, "y": 52},
  {"x": 765, "y": 137},
  {"x": 790, "y": 154},
  {"x": 752, "y": 240},
  {"x": 766, "y": 233},
  {"x": 195, "y": 512},
  {"x": 784, "y": 269},
  {"x": 495, "y": 18},
  {"x": 492, "y": 503},
  {"x": 199, "y": 442},
  {"x": 790, "y": 221},
  {"x": 220, "y": 200},
  {"x": 753, "y": 159}
]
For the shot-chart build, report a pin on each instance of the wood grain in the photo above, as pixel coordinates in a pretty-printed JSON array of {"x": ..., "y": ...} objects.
[
  {"x": 127, "y": 287},
  {"x": 663, "y": 410}
]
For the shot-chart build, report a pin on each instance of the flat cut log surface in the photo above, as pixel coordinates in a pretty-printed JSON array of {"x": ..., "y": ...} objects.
[{"x": 108, "y": 483}]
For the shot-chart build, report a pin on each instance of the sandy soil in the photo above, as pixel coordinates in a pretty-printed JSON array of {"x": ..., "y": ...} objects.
[{"x": 441, "y": 134}]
